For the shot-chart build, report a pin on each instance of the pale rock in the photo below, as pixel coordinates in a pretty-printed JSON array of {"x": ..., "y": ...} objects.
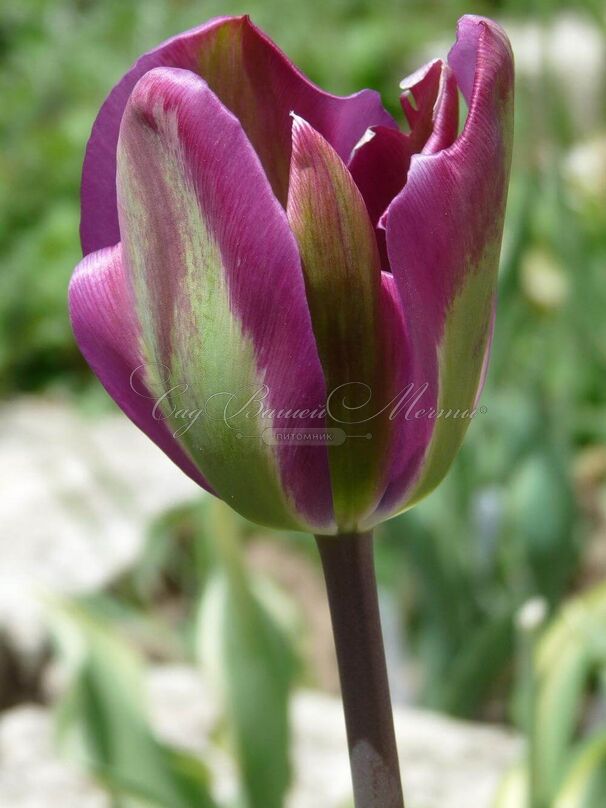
[
  {"x": 445, "y": 763},
  {"x": 75, "y": 497}
]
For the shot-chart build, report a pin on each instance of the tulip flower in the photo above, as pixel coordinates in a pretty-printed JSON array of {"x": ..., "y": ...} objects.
[{"x": 291, "y": 296}]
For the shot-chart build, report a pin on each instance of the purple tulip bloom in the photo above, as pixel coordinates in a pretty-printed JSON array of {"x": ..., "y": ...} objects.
[{"x": 270, "y": 269}]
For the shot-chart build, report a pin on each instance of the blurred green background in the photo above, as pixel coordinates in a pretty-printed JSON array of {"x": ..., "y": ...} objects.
[{"x": 493, "y": 584}]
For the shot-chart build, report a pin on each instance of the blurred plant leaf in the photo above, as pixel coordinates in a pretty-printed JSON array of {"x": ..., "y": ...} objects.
[
  {"x": 513, "y": 790},
  {"x": 585, "y": 782},
  {"x": 102, "y": 719},
  {"x": 541, "y": 512},
  {"x": 572, "y": 651},
  {"x": 176, "y": 556},
  {"x": 252, "y": 663},
  {"x": 484, "y": 657}
]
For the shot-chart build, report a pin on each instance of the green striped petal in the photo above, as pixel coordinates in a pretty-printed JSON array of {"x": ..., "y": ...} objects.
[
  {"x": 344, "y": 290},
  {"x": 219, "y": 293}
]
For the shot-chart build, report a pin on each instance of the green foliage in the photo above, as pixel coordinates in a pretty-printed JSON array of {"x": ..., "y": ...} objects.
[
  {"x": 566, "y": 765},
  {"x": 253, "y": 668},
  {"x": 585, "y": 783},
  {"x": 541, "y": 511},
  {"x": 502, "y": 528},
  {"x": 242, "y": 645},
  {"x": 571, "y": 663},
  {"x": 104, "y": 710}
]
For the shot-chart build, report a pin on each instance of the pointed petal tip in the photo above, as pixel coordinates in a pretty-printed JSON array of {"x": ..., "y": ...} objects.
[
  {"x": 430, "y": 104},
  {"x": 469, "y": 21},
  {"x": 297, "y": 120},
  {"x": 462, "y": 57},
  {"x": 410, "y": 81},
  {"x": 307, "y": 143},
  {"x": 370, "y": 133},
  {"x": 301, "y": 125}
]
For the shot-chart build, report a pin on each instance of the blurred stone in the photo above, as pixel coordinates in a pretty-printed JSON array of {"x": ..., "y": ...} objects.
[
  {"x": 446, "y": 763},
  {"x": 32, "y": 775},
  {"x": 76, "y": 496}
]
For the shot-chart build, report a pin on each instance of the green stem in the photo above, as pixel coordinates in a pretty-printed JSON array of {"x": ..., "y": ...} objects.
[{"x": 349, "y": 573}]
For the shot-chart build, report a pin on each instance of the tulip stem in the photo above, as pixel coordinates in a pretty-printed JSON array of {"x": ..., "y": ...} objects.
[{"x": 349, "y": 573}]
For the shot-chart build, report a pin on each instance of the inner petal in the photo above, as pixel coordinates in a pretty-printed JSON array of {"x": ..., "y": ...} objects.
[{"x": 381, "y": 160}]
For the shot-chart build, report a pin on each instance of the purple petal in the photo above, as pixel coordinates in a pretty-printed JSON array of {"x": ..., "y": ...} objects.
[
  {"x": 379, "y": 168},
  {"x": 108, "y": 336},
  {"x": 219, "y": 290},
  {"x": 380, "y": 163},
  {"x": 255, "y": 80},
  {"x": 434, "y": 117},
  {"x": 410, "y": 435},
  {"x": 444, "y": 232}
]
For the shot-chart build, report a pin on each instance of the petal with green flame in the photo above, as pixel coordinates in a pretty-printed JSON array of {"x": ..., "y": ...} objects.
[
  {"x": 344, "y": 290},
  {"x": 219, "y": 292}
]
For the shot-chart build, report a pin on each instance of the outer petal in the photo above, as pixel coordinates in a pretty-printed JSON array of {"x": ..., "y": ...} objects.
[
  {"x": 255, "y": 80},
  {"x": 350, "y": 315},
  {"x": 107, "y": 332},
  {"x": 443, "y": 236},
  {"x": 219, "y": 291},
  {"x": 380, "y": 162}
]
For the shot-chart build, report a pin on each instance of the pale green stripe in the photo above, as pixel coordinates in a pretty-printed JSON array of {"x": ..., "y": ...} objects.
[{"x": 210, "y": 352}]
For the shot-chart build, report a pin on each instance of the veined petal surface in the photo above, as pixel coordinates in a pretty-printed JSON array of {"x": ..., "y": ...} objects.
[
  {"x": 107, "y": 333},
  {"x": 219, "y": 291}
]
